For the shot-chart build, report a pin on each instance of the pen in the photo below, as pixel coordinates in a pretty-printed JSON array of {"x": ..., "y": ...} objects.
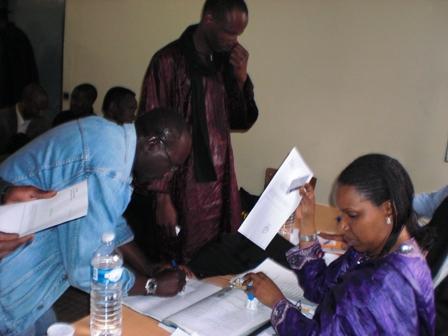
[
  {"x": 174, "y": 263},
  {"x": 251, "y": 302},
  {"x": 250, "y": 295}
]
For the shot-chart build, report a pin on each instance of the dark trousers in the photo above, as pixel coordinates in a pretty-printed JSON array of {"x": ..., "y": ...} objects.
[
  {"x": 234, "y": 253},
  {"x": 149, "y": 237},
  {"x": 228, "y": 254},
  {"x": 441, "y": 299},
  {"x": 436, "y": 256}
]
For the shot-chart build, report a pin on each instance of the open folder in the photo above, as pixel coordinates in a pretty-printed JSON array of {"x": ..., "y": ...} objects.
[
  {"x": 278, "y": 201},
  {"x": 204, "y": 309},
  {"x": 33, "y": 216}
]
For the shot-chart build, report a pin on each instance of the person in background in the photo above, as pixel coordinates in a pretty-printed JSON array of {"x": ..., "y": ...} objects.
[
  {"x": 203, "y": 75},
  {"x": 12, "y": 194},
  {"x": 110, "y": 157},
  {"x": 81, "y": 104},
  {"x": 119, "y": 105},
  {"x": 425, "y": 204},
  {"x": 382, "y": 284},
  {"x": 26, "y": 121},
  {"x": 437, "y": 259},
  {"x": 17, "y": 63},
  {"x": 433, "y": 207}
]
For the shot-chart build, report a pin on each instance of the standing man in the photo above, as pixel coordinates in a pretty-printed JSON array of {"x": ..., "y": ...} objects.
[{"x": 203, "y": 76}]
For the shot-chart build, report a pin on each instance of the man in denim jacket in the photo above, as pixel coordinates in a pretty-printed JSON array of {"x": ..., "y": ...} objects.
[{"x": 105, "y": 154}]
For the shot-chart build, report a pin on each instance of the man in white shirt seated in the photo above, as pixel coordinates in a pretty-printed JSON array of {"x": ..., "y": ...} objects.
[{"x": 25, "y": 121}]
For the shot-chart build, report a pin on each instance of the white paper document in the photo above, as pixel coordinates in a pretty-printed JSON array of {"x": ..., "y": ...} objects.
[
  {"x": 284, "y": 278},
  {"x": 160, "y": 308},
  {"x": 222, "y": 314},
  {"x": 204, "y": 309},
  {"x": 179, "y": 332},
  {"x": 225, "y": 313},
  {"x": 287, "y": 281},
  {"x": 278, "y": 201},
  {"x": 30, "y": 217},
  {"x": 268, "y": 332}
]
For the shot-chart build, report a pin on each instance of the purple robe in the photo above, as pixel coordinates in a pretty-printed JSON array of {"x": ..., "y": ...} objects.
[
  {"x": 391, "y": 295},
  {"x": 207, "y": 208}
]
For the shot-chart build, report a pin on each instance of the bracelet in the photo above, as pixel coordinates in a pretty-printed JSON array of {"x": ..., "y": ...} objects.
[
  {"x": 308, "y": 238},
  {"x": 151, "y": 286}
]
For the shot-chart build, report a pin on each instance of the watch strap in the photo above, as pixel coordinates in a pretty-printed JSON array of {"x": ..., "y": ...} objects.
[
  {"x": 308, "y": 238},
  {"x": 151, "y": 286}
]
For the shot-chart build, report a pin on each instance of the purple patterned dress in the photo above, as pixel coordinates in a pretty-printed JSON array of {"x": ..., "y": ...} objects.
[{"x": 392, "y": 295}]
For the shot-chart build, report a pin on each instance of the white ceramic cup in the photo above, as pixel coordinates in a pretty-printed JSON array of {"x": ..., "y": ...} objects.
[{"x": 60, "y": 329}]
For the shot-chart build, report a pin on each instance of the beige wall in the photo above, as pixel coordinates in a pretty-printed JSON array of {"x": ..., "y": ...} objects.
[{"x": 335, "y": 78}]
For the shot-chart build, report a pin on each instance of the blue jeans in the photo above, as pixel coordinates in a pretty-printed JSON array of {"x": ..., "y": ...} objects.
[{"x": 40, "y": 327}]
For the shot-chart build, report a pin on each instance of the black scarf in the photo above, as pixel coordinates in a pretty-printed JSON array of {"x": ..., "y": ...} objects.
[{"x": 204, "y": 170}]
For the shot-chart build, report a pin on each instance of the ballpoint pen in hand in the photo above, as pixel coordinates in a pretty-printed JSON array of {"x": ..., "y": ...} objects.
[
  {"x": 252, "y": 302},
  {"x": 174, "y": 264}
]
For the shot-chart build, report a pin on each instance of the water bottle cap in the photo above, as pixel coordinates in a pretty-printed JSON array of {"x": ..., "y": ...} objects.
[
  {"x": 60, "y": 329},
  {"x": 107, "y": 237}
]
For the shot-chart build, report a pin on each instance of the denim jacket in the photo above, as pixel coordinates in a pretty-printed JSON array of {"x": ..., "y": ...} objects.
[{"x": 34, "y": 276}]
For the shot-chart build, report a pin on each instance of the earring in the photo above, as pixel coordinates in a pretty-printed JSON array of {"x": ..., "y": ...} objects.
[{"x": 388, "y": 221}]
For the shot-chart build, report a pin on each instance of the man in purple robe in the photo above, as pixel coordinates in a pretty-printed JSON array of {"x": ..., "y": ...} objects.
[{"x": 203, "y": 75}]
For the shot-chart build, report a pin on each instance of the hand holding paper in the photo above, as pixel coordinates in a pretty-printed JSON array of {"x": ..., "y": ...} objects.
[
  {"x": 277, "y": 202},
  {"x": 30, "y": 217},
  {"x": 11, "y": 241},
  {"x": 25, "y": 193}
]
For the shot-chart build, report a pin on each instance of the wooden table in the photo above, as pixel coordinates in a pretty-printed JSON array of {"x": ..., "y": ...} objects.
[{"x": 135, "y": 324}]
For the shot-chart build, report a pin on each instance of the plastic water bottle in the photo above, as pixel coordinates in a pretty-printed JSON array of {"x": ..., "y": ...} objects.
[{"x": 105, "y": 294}]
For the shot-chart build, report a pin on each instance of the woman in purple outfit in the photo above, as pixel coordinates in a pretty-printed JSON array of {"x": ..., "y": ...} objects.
[{"x": 382, "y": 284}]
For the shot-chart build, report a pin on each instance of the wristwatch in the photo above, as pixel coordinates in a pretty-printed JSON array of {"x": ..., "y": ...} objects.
[
  {"x": 308, "y": 238},
  {"x": 151, "y": 286}
]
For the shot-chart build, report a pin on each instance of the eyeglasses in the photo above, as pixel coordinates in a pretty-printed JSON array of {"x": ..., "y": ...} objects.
[{"x": 173, "y": 166}]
